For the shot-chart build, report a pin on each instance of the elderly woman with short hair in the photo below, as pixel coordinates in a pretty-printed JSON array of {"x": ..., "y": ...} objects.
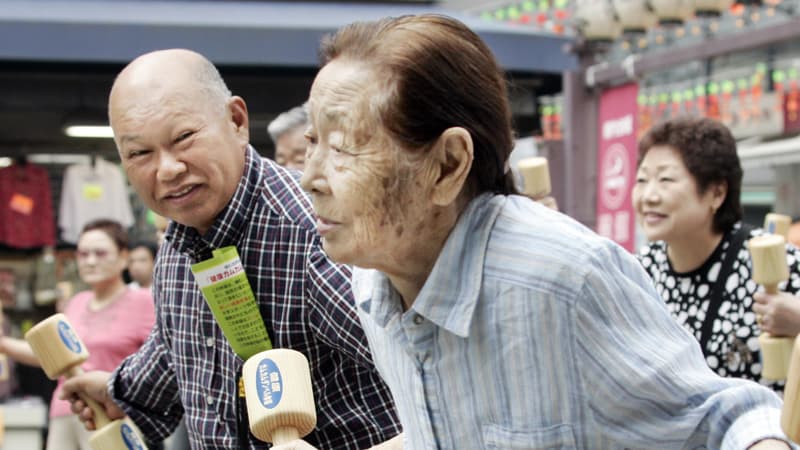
[{"x": 496, "y": 321}]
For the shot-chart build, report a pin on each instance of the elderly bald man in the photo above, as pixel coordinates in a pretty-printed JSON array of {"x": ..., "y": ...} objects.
[{"x": 183, "y": 141}]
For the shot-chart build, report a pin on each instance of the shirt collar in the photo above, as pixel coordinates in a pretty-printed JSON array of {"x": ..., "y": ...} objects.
[
  {"x": 452, "y": 290},
  {"x": 375, "y": 295},
  {"x": 230, "y": 222}
]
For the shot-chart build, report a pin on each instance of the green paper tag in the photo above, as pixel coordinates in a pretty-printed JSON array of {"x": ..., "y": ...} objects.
[{"x": 227, "y": 291}]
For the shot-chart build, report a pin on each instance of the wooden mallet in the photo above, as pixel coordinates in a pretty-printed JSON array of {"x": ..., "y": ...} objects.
[
  {"x": 5, "y": 368},
  {"x": 777, "y": 224},
  {"x": 768, "y": 253},
  {"x": 536, "y": 175},
  {"x": 790, "y": 413},
  {"x": 280, "y": 401},
  {"x": 61, "y": 352},
  {"x": 277, "y": 382}
]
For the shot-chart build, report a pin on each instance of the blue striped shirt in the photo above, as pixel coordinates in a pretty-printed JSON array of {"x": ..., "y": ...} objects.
[
  {"x": 533, "y": 332},
  {"x": 187, "y": 365}
]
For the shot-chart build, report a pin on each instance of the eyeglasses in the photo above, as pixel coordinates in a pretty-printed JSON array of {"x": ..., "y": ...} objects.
[{"x": 83, "y": 255}]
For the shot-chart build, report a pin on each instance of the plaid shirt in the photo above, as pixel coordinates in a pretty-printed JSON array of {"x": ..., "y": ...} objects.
[{"x": 186, "y": 365}]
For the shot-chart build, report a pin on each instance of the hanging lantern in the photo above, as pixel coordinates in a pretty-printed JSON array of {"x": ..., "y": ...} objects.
[
  {"x": 635, "y": 16},
  {"x": 596, "y": 21},
  {"x": 711, "y": 8},
  {"x": 672, "y": 12}
]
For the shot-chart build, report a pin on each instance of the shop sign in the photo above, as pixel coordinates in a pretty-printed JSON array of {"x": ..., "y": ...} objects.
[
  {"x": 791, "y": 109},
  {"x": 616, "y": 165}
]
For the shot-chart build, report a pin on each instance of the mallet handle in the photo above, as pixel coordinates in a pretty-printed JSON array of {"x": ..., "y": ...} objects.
[
  {"x": 283, "y": 435},
  {"x": 101, "y": 419},
  {"x": 771, "y": 289}
]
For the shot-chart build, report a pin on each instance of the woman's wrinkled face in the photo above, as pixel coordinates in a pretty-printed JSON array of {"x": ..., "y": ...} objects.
[
  {"x": 99, "y": 258},
  {"x": 666, "y": 199},
  {"x": 367, "y": 191}
]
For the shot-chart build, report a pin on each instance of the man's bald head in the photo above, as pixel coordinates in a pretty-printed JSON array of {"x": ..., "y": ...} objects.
[
  {"x": 181, "y": 135},
  {"x": 155, "y": 75}
]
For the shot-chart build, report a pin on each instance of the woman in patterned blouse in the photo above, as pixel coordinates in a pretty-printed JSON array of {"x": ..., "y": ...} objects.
[{"x": 686, "y": 199}]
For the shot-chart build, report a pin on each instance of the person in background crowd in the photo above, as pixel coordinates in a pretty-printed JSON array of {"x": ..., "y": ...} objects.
[
  {"x": 496, "y": 321},
  {"x": 286, "y": 132},
  {"x": 141, "y": 261},
  {"x": 686, "y": 199},
  {"x": 794, "y": 232},
  {"x": 111, "y": 319},
  {"x": 183, "y": 142}
]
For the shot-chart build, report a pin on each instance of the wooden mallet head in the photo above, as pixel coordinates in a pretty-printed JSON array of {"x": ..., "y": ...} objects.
[
  {"x": 61, "y": 352},
  {"x": 59, "y": 349},
  {"x": 777, "y": 224},
  {"x": 280, "y": 400},
  {"x": 790, "y": 413},
  {"x": 536, "y": 175},
  {"x": 768, "y": 253},
  {"x": 120, "y": 434}
]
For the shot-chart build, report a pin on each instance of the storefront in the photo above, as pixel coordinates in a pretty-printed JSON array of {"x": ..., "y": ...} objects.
[{"x": 737, "y": 62}]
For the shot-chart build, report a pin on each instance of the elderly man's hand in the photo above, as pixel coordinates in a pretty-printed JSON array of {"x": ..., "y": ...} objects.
[{"x": 93, "y": 386}]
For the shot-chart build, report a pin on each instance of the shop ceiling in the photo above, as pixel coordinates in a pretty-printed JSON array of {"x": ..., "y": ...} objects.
[{"x": 58, "y": 58}]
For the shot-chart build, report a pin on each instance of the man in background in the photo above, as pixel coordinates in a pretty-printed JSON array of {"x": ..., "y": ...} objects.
[
  {"x": 141, "y": 261},
  {"x": 794, "y": 232},
  {"x": 287, "y": 132}
]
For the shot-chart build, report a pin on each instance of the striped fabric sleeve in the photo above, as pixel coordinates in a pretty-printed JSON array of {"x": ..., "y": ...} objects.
[
  {"x": 748, "y": 425},
  {"x": 645, "y": 378},
  {"x": 144, "y": 387}
]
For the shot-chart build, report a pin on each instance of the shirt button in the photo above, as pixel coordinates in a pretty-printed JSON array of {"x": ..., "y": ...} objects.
[
  {"x": 210, "y": 342},
  {"x": 418, "y": 319},
  {"x": 210, "y": 400}
]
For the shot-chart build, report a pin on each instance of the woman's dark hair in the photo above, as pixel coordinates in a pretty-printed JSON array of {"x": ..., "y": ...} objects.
[
  {"x": 112, "y": 228},
  {"x": 438, "y": 74},
  {"x": 708, "y": 150}
]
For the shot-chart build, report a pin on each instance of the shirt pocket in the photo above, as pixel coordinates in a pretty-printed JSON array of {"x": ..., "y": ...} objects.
[{"x": 554, "y": 437}]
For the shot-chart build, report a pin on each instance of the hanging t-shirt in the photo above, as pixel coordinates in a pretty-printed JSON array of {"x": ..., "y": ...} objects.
[
  {"x": 26, "y": 207},
  {"x": 92, "y": 192}
]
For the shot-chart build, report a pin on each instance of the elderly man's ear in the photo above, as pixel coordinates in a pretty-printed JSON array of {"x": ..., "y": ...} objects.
[{"x": 453, "y": 153}]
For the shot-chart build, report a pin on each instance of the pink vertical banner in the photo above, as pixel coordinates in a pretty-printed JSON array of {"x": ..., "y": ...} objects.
[{"x": 616, "y": 164}]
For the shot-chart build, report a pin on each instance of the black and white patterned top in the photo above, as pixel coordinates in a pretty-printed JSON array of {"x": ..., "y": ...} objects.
[{"x": 731, "y": 348}]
